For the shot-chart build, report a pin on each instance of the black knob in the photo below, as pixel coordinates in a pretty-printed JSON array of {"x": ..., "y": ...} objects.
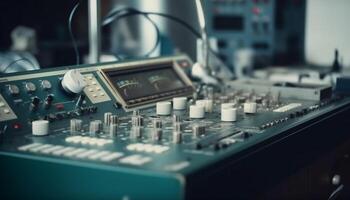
[
  {"x": 35, "y": 103},
  {"x": 48, "y": 101}
]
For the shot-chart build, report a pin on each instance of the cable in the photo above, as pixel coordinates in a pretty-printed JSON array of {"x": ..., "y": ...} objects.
[
  {"x": 126, "y": 12},
  {"x": 74, "y": 42},
  {"x": 15, "y": 61},
  {"x": 113, "y": 14}
]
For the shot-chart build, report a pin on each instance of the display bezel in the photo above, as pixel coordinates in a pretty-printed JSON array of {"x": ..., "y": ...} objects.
[{"x": 145, "y": 101}]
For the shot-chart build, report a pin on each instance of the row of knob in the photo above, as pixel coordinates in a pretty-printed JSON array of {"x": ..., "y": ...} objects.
[
  {"x": 29, "y": 86},
  {"x": 197, "y": 111},
  {"x": 72, "y": 82},
  {"x": 110, "y": 125}
]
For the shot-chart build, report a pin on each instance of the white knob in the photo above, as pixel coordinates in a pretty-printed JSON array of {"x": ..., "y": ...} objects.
[
  {"x": 227, "y": 105},
  {"x": 228, "y": 114},
  {"x": 250, "y": 107},
  {"x": 179, "y": 103},
  {"x": 206, "y": 103},
  {"x": 163, "y": 108},
  {"x": 197, "y": 111},
  {"x": 40, "y": 127},
  {"x": 73, "y": 82}
]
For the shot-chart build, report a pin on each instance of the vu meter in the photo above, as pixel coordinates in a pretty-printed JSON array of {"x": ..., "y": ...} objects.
[{"x": 142, "y": 85}]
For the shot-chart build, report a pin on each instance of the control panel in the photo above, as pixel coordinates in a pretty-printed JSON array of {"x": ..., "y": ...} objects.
[
  {"x": 146, "y": 118},
  {"x": 242, "y": 24}
]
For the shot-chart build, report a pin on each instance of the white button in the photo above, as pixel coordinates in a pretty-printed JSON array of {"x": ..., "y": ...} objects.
[
  {"x": 40, "y": 127},
  {"x": 228, "y": 114},
  {"x": 28, "y": 146},
  {"x": 98, "y": 88},
  {"x": 62, "y": 151},
  {"x": 2, "y": 104},
  {"x": 39, "y": 148},
  {"x": 111, "y": 157},
  {"x": 6, "y": 111},
  {"x": 86, "y": 153},
  {"x": 250, "y": 107},
  {"x": 98, "y": 155},
  {"x": 102, "y": 94},
  {"x": 75, "y": 152},
  {"x": 91, "y": 90},
  {"x": 95, "y": 96},
  {"x": 197, "y": 111},
  {"x": 179, "y": 103},
  {"x": 93, "y": 83},
  {"x": 51, "y": 149},
  {"x": 163, "y": 108}
]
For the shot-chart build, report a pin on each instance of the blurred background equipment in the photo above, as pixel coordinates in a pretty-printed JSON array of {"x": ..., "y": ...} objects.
[
  {"x": 21, "y": 56},
  {"x": 327, "y": 30}
]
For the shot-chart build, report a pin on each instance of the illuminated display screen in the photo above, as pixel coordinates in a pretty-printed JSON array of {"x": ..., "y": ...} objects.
[{"x": 146, "y": 83}]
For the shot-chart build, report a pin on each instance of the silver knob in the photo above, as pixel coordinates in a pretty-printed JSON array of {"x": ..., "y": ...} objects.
[
  {"x": 113, "y": 130},
  {"x": 136, "y": 132},
  {"x": 113, "y": 125},
  {"x": 30, "y": 87},
  {"x": 157, "y": 134},
  {"x": 177, "y": 137},
  {"x": 176, "y": 119},
  {"x": 13, "y": 90},
  {"x": 198, "y": 130},
  {"x": 107, "y": 118},
  {"x": 178, "y": 127},
  {"x": 46, "y": 85},
  {"x": 157, "y": 123},
  {"x": 75, "y": 125},
  {"x": 114, "y": 119},
  {"x": 95, "y": 127}
]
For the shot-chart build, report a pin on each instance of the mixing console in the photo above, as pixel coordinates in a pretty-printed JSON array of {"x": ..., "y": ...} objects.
[{"x": 140, "y": 122}]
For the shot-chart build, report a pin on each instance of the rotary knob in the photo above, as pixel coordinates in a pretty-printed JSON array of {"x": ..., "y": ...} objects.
[
  {"x": 46, "y": 85},
  {"x": 73, "y": 82},
  {"x": 13, "y": 90},
  {"x": 40, "y": 127},
  {"x": 163, "y": 108},
  {"x": 30, "y": 87}
]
